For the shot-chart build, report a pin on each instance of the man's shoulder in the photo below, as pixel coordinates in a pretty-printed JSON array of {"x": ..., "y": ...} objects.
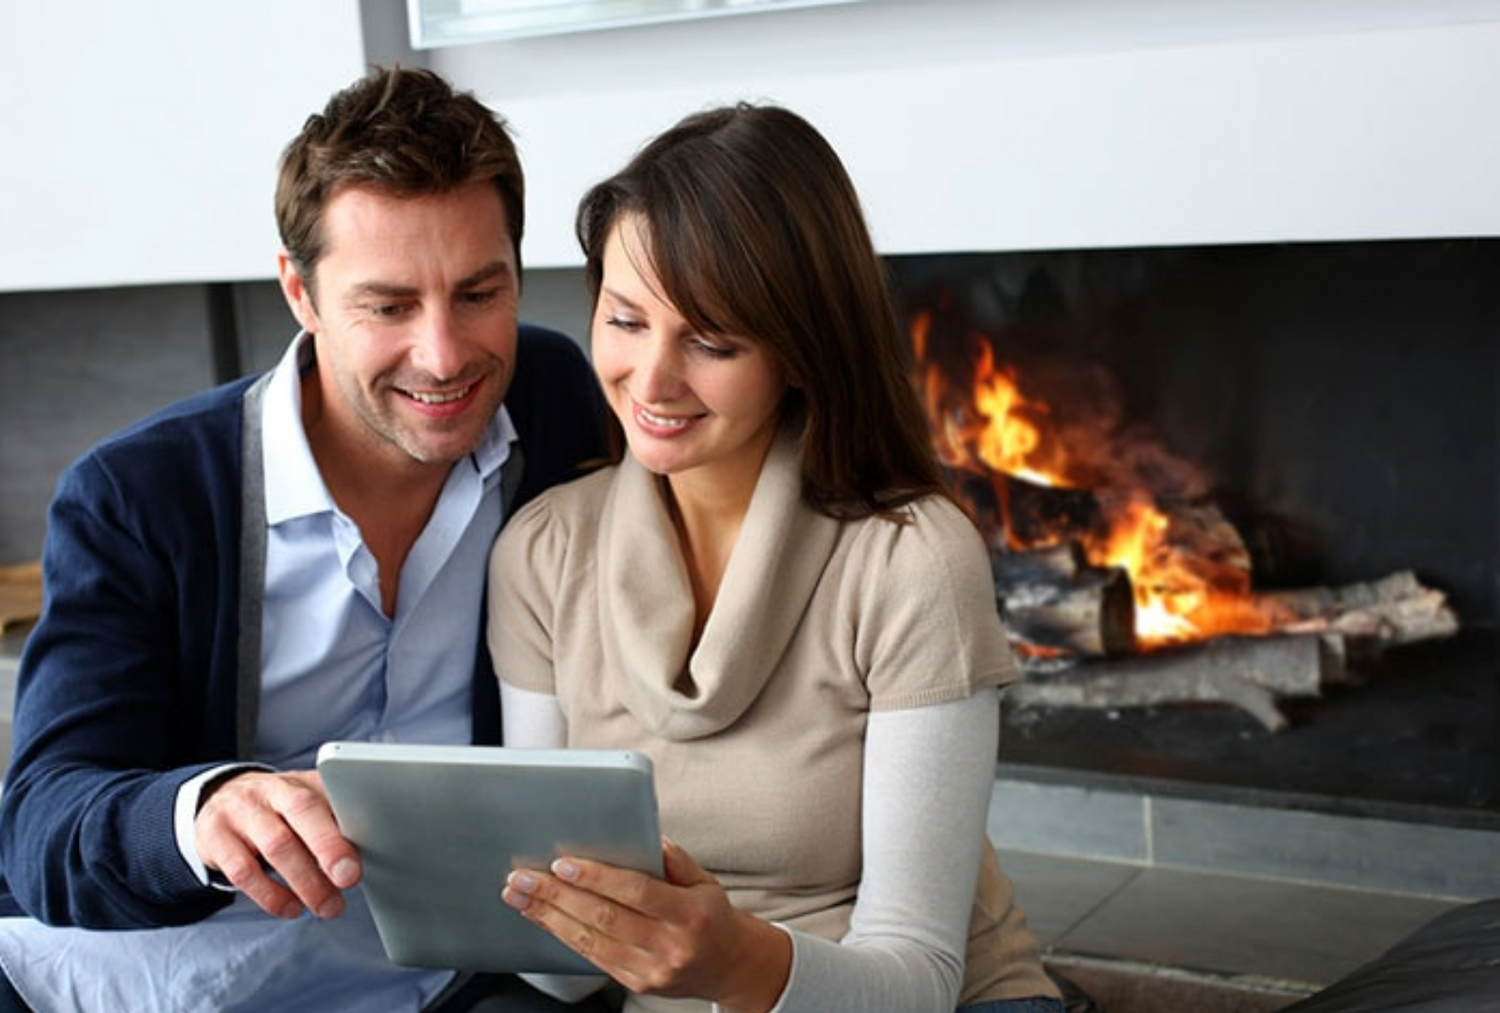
[
  {"x": 200, "y": 414},
  {"x": 552, "y": 378},
  {"x": 542, "y": 352},
  {"x": 198, "y": 433},
  {"x": 557, "y": 408}
]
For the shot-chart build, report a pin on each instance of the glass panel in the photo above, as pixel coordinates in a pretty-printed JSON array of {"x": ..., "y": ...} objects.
[{"x": 436, "y": 23}]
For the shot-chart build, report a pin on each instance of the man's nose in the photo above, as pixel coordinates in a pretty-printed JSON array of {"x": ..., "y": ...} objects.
[{"x": 439, "y": 348}]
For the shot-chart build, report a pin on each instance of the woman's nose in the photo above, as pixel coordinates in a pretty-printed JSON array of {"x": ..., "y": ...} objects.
[{"x": 657, "y": 376}]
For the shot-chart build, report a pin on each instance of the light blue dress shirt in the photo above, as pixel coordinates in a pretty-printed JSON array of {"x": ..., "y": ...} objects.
[{"x": 333, "y": 667}]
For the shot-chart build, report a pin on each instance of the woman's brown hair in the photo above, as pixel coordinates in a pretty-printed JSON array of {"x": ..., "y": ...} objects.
[{"x": 754, "y": 229}]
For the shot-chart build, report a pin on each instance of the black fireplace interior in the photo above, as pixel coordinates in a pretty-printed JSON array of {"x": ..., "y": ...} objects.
[{"x": 1340, "y": 400}]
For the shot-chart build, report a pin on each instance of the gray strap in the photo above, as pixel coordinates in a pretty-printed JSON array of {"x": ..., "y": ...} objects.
[
  {"x": 252, "y": 568},
  {"x": 510, "y": 478}
]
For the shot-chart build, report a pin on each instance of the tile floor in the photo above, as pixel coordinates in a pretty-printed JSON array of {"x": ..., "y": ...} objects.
[
  {"x": 1276, "y": 936},
  {"x": 1149, "y": 924}
]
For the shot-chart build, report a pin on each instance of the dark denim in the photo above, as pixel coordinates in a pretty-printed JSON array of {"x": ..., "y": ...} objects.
[
  {"x": 508, "y": 991},
  {"x": 1041, "y": 1004},
  {"x": 10, "y": 999}
]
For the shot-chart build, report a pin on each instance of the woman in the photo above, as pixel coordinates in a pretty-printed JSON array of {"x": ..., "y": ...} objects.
[{"x": 772, "y": 596}]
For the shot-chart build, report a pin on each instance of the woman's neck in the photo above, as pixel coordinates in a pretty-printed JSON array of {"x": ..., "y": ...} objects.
[{"x": 708, "y": 520}]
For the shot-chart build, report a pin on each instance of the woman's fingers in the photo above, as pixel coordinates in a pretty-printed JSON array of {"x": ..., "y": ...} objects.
[
  {"x": 589, "y": 908},
  {"x": 670, "y": 938}
]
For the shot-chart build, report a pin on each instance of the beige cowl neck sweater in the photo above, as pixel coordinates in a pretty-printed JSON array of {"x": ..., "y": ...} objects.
[
  {"x": 646, "y": 610},
  {"x": 757, "y": 734}
]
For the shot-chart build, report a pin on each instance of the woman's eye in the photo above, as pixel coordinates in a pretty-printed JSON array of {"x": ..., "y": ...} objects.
[
  {"x": 713, "y": 351},
  {"x": 622, "y": 323}
]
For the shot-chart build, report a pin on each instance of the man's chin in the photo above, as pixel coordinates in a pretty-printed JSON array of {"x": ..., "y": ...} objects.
[{"x": 445, "y": 452}]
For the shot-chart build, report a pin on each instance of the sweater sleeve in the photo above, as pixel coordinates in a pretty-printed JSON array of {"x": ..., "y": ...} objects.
[
  {"x": 925, "y": 811},
  {"x": 108, "y": 713}
]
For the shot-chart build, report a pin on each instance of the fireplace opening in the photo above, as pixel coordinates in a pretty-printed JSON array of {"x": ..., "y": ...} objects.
[{"x": 1307, "y": 418}]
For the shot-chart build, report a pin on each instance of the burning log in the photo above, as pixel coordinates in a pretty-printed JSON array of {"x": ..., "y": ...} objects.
[
  {"x": 1038, "y": 515},
  {"x": 1246, "y": 672},
  {"x": 1055, "y": 603}
]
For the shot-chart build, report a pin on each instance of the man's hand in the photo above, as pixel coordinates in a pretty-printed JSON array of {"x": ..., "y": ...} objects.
[{"x": 273, "y": 836}]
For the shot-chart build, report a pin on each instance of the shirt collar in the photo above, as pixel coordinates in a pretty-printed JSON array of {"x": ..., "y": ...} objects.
[{"x": 298, "y": 489}]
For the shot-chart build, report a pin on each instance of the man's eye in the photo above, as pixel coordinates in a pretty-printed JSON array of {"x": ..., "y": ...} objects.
[
  {"x": 481, "y": 297},
  {"x": 386, "y": 311}
]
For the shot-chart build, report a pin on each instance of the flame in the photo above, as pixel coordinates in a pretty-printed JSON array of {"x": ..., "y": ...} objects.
[
  {"x": 1009, "y": 438},
  {"x": 1165, "y": 597},
  {"x": 992, "y": 426},
  {"x": 996, "y": 430}
]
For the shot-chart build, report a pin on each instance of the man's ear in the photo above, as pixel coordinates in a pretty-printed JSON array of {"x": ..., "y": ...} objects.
[{"x": 297, "y": 293}]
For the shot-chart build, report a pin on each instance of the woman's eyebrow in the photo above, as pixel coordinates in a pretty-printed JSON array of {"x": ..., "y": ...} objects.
[{"x": 619, "y": 297}]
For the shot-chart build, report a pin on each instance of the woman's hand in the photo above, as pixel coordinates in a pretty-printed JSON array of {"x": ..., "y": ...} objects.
[{"x": 676, "y": 937}]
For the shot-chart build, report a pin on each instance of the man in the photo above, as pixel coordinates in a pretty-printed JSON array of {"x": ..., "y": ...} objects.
[{"x": 288, "y": 559}]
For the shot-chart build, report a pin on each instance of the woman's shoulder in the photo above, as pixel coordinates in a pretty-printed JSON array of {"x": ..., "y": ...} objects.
[
  {"x": 924, "y": 604},
  {"x": 566, "y": 501},
  {"x": 929, "y": 551},
  {"x": 560, "y": 514},
  {"x": 929, "y": 528}
]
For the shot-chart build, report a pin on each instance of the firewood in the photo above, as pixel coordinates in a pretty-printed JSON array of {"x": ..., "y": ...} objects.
[
  {"x": 1053, "y": 600},
  {"x": 1396, "y": 609},
  {"x": 1246, "y": 672},
  {"x": 1039, "y": 515}
]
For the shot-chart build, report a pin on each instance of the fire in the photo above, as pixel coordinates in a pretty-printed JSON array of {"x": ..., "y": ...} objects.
[
  {"x": 1165, "y": 597},
  {"x": 1001, "y": 433},
  {"x": 988, "y": 425}
]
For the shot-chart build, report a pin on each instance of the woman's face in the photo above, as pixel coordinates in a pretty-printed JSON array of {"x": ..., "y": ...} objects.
[{"x": 692, "y": 405}]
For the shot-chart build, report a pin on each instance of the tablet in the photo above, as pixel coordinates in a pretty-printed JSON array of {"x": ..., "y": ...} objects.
[{"x": 440, "y": 827}]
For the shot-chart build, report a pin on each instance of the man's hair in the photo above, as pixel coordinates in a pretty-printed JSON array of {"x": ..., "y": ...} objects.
[
  {"x": 402, "y": 132},
  {"x": 753, "y": 228}
]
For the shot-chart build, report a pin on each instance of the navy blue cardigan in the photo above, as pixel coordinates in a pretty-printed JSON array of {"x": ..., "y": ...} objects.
[{"x": 130, "y": 681}]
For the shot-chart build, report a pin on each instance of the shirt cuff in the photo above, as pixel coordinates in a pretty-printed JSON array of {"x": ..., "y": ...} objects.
[{"x": 185, "y": 815}]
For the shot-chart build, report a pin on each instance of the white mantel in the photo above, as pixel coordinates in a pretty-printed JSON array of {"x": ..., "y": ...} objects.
[{"x": 1035, "y": 124}]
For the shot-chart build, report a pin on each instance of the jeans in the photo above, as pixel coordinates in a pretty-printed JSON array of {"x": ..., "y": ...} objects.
[
  {"x": 1041, "y": 1004},
  {"x": 10, "y": 999},
  {"x": 504, "y": 992}
]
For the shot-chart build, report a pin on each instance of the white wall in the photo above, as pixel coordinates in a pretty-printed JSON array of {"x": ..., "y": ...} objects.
[
  {"x": 1031, "y": 124},
  {"x": 140, "y": 139}
]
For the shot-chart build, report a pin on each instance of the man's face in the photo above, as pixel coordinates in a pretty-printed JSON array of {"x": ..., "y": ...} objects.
[{"x": 414, "y": 313}]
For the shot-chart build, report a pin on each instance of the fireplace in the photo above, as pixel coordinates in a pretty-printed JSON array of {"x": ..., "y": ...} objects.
[{"x": 1334, "y": 404}]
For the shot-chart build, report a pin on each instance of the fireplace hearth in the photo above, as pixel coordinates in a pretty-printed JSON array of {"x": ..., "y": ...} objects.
[{"x": 1334, "y": 407}]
